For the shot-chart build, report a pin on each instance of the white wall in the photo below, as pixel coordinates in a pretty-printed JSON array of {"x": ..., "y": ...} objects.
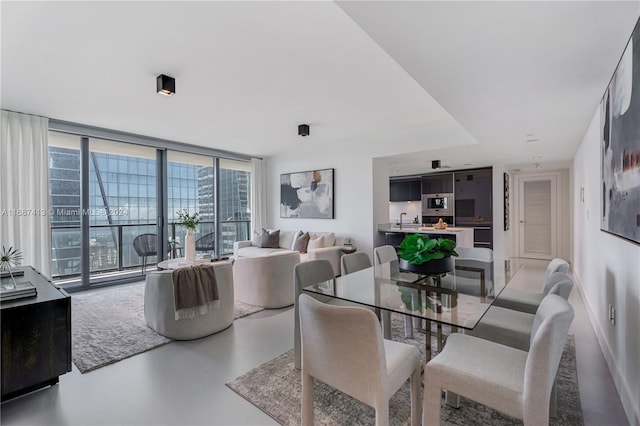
[
  {"x": 353, "y": 194},
  {"x": 411, "y": 208},
  {"x": 607, "y": 269}
]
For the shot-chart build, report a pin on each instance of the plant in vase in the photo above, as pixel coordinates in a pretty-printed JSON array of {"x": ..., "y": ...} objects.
[
  {"x": 9, "y": 258},
  {"x": 190, "y": 222},
  {"x": 423, "y": 255},
  {"x": 428, "y": 256}
]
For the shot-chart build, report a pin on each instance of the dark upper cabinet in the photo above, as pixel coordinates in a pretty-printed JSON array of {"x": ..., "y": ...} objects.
[
  {"x": 473, "y": 197},
  {"x": 404, "y": 190},
  {"x": 441, "y": 183}
]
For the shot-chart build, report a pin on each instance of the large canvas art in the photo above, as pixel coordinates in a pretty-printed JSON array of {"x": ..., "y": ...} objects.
[
  {"x": 307, "y": 195},
  {"x": 620, "y": 141}
]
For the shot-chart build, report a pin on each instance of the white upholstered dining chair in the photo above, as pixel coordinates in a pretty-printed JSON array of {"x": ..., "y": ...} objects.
[
  {"x": 343, "y": 347},
  {"x": 512, "y": 381},
  {"x": 306, "y": 274},
  {"x": 354, "y": 262},
  {"x": 525, "y": 301}
]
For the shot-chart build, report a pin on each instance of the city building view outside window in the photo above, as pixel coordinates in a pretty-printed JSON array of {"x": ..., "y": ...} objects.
[{"x": 123, "y": 205}]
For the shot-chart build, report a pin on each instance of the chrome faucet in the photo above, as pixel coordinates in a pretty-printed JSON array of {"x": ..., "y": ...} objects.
[{"x": 401, "y": 214}]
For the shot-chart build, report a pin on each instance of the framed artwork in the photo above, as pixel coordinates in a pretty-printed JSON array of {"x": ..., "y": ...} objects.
[
  {"x": 620, "y": 146},
  {"x": 506, "y": 202},
  {"x": 307, "y": 195}
]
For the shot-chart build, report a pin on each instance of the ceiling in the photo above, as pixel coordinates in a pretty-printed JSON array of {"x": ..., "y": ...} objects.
[{"x": 470, "y": 80}]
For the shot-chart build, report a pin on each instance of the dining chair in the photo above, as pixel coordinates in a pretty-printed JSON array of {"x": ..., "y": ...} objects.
[
  {"x": 145, "y": 246},
  {"x": 512, "y": 381},
  {"x": 306, "y": 274},
  {"x": 513, "y": 328},
  {"x": 526, "y": 301},
  {"x": 387, "y": 254},
  {"x": 343, "y": 347},
  {"x": 354, "y": 262}
]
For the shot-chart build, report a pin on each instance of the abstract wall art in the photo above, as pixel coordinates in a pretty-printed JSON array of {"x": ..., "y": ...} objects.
[
  {"x": 620, "y": 146},
  {"x": 307, "y": 195}
]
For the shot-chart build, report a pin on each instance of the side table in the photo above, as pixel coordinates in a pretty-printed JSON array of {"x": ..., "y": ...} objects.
[
  {"x": 36, "y": 337},
  {"x": 348, "y": 249}
]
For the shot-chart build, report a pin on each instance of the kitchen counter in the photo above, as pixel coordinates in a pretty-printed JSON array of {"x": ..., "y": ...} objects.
[{"x": 463, "y": 236}]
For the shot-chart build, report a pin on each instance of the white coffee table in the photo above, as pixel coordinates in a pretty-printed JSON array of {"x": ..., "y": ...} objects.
[{"x": 181, "y": 262}]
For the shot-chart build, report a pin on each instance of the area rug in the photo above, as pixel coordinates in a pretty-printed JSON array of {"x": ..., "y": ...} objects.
[
  {"x": 109, "y": 326},
  {"x": 274, "y": 387}
]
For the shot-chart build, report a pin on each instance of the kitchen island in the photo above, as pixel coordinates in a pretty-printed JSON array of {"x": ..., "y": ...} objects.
[{"x": 462, "y": 236}]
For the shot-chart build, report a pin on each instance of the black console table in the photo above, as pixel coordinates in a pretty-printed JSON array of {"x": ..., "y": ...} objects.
[{"x": 36, "y": 337}]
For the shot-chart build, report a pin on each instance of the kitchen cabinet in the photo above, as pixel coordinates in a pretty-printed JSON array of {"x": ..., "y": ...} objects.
[
  {"x": 474, "y": 203},
  {"x": 437, "y": 183},
  {"x": 405, "y": 190}
]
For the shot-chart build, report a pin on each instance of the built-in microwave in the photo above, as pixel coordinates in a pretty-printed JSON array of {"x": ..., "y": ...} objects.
[{"x": 437, "y": 204}]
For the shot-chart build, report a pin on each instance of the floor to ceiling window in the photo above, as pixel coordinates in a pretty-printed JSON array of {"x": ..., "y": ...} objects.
[
  {"x": 191, "y": 187},
  {"x": 106, "y": 205},
  {"x": 234, "y": 203},
  {"x": 122, "y": 206}
]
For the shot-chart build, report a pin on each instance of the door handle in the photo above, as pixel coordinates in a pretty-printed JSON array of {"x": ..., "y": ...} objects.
[{"x": 522, "y": 221}]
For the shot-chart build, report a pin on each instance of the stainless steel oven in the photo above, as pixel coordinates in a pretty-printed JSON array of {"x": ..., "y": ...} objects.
[{"x": 437, "y": 204}]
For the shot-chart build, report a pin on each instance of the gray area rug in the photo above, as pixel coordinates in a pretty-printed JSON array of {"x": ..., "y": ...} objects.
[
  {"x": 274, "y": 387},
  {"x": 108, "y": 326}
]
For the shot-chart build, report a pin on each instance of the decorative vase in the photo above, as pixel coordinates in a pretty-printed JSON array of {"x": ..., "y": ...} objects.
[
  {"x": 190, "y": 245},
  {"x": 432, "y": 267}
]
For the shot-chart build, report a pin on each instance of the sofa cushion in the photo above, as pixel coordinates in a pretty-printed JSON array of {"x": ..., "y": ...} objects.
[
  {"x": 270, "y": 239},
  {"x": 301, "y": 243},
  {"x": 288, "y": 238},
  {"x": 315, "y": 243},
  {"x": 328, "y": 240}
]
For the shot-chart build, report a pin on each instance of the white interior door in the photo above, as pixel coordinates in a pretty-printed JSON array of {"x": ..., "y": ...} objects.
[{"x": 537, "y": 217}]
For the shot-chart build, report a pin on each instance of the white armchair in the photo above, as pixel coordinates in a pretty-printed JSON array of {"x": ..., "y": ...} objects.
[
  {"x": 159, "y": 306},
  {"x": 266, "y": 281}
]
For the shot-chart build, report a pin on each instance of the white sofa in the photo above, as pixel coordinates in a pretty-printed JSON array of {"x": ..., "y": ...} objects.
[{"x": 331, "y": 250}]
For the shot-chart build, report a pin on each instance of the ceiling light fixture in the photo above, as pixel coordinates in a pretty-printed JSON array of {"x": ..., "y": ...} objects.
[
  {"x": 530, "y": 140},
  {"x": 303, "y": 130},
  {"x": 538, "y": 166},
  {"x": 166, "y": 85},
  {"x": 536, "y": 157}
]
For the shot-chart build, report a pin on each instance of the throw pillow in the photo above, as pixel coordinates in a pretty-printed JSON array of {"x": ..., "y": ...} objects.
[
  {"x": 316, "y": 243},
  {"x": 295, "y": 237},
  {"x": 256, "y": 238},
  {"x": 301, "y": 243},
  {"x": 270, "y": 239}
]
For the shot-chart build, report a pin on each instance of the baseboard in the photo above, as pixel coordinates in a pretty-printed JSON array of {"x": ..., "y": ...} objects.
[{"x": 629, "y": 405}]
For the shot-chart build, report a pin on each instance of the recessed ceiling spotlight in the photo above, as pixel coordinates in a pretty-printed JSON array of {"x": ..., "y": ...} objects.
[
  {"x": 531, "y": 139},
  {"x": 515, "y": 170},
  {"x": 467, "y": 164},
  {"x": 165, "y": 85},
  {"x": 303, "y": 130},
  {"x": 394, "y": 171},
  {"x": 538, "y": 166},
  {"x": 536, "y": 157}
]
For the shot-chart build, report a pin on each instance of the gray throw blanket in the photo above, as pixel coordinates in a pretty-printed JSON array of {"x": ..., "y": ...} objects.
[{"x": 195, "y": 291}]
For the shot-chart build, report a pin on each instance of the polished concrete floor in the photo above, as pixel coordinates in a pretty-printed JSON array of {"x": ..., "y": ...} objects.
[{"x": 183, "y": 383}]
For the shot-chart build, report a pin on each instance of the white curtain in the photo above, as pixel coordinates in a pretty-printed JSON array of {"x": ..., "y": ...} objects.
[
  {"x": 258, "y": 195},
  {"x": 24, "y": 188}
]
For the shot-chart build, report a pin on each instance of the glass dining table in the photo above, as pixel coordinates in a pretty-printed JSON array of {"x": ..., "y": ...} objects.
[{"x": 458, "y": 298}]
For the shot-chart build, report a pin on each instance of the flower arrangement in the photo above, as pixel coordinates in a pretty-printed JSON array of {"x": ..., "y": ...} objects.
[
  {"x": 187, "y": 220},
  {"x": 9, "y": 258}
]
